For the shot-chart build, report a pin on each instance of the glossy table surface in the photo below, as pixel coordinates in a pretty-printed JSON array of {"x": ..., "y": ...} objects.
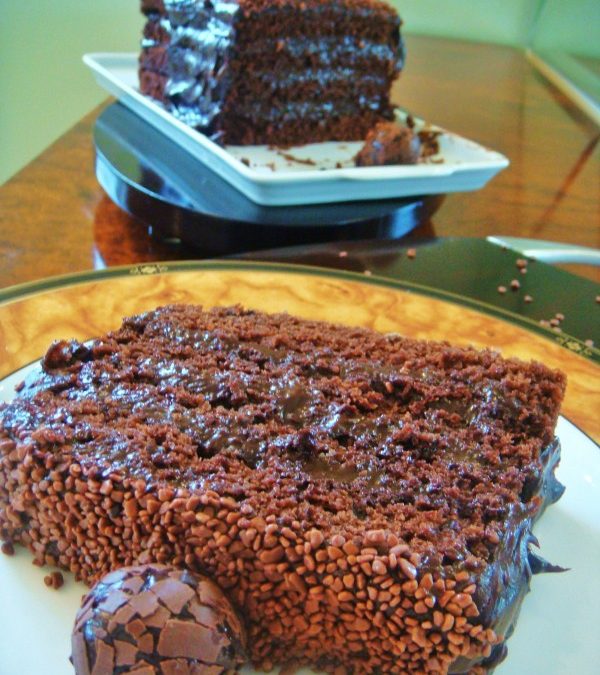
[{"x": 54, "y": 217}]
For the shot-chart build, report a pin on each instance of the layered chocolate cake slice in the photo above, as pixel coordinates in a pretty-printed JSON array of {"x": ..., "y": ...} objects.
[
  {"x": 272, "y": 71},
  {"x": 367, "y": 500}
]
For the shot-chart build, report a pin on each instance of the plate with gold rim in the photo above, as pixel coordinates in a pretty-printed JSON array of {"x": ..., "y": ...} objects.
[{"x": 555, "y": 633}]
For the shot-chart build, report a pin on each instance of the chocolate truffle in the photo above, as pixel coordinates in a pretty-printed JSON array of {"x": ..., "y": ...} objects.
[
  {"x": 389, "y": 143},
  {"x": 156, "y": 620}
]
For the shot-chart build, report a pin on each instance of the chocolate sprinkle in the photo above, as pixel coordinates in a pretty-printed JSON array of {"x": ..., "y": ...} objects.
[{"x": 7, "y": 548}]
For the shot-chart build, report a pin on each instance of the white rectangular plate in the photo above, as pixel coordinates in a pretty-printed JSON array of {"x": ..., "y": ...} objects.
[{"x": 308, "y": 174}]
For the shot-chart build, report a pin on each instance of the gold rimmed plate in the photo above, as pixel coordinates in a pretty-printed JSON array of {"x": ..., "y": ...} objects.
[{"x": 555, "y": 634}]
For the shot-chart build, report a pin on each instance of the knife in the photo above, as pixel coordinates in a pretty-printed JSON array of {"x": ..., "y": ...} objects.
[{"x": 549, "y": 251}]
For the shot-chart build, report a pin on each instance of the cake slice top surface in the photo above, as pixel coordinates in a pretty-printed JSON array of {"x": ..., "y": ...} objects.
[
  {"x": 198, "y": 6},
  {"x": 344, "y": 429}
]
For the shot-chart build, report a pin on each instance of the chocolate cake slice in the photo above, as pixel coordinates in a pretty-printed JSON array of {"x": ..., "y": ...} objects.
[
  {"x": 272, "y": 71},
  {"x": 366, "y": 499}
]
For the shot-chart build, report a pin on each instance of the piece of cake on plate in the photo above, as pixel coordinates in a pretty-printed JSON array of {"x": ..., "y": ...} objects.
[
  {"x": 367, "y": 500},
  {"x": 272, "y": 71}
]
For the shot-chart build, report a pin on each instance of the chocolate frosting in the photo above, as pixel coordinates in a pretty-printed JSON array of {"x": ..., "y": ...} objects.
[{"x": 505, "y": 582}]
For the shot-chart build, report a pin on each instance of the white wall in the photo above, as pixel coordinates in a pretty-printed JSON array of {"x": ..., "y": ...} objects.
[
  {"x": 44, "y": 86},
  {"x": 499, "y": 21}
]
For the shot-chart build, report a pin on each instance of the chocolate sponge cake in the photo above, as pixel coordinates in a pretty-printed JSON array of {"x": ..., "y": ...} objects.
[
  {"x": 365, "y": 499},
  {"x": 272, "y": 71}
]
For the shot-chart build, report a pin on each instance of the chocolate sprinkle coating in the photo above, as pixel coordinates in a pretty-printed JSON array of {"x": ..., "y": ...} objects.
[
  {"x": 158, "y": 620},
  {"x": 365, "y": 499},
  {"x": 7, "y": 548}
]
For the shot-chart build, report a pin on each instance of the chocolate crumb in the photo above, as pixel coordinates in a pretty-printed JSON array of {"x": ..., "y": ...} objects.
[
  {"x": 389, "y": 143},
  {"x": 598, "y": 299},
  {"x": 245, "y": 161},
  {"x": 554, "y": 322},
  {"x": 502, "y": 290},
  {"x": 521, "y": 262},
  {"x": 559, "y": 316},
  {"x": 58, "y": 581},
  {"x": 54, "y": 580},
  {"x": 7, "y": 548},
  {"x": 430, "y": 144},
  {"x": 515, "y": 285},
  {"x": 298, "y": 160}
]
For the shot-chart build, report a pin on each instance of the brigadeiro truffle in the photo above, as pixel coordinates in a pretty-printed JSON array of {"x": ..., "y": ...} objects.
[
  {"x": 389, "y": 143},
  {"x": 156, "y": 620}
]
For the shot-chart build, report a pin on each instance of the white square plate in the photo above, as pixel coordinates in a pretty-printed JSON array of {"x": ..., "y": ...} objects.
[{"x": 309, "y": 174}]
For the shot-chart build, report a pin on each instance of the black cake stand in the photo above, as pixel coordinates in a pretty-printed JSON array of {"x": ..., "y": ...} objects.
[{"x": 179, "y": 198}]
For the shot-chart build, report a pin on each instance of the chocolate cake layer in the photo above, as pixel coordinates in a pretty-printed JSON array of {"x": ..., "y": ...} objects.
[
  {"x": 367, "y": 499},
  {"x": 274, "y": 72}
]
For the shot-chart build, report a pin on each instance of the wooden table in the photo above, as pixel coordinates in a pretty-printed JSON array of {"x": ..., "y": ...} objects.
[{"x": 54, "y": 217}]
